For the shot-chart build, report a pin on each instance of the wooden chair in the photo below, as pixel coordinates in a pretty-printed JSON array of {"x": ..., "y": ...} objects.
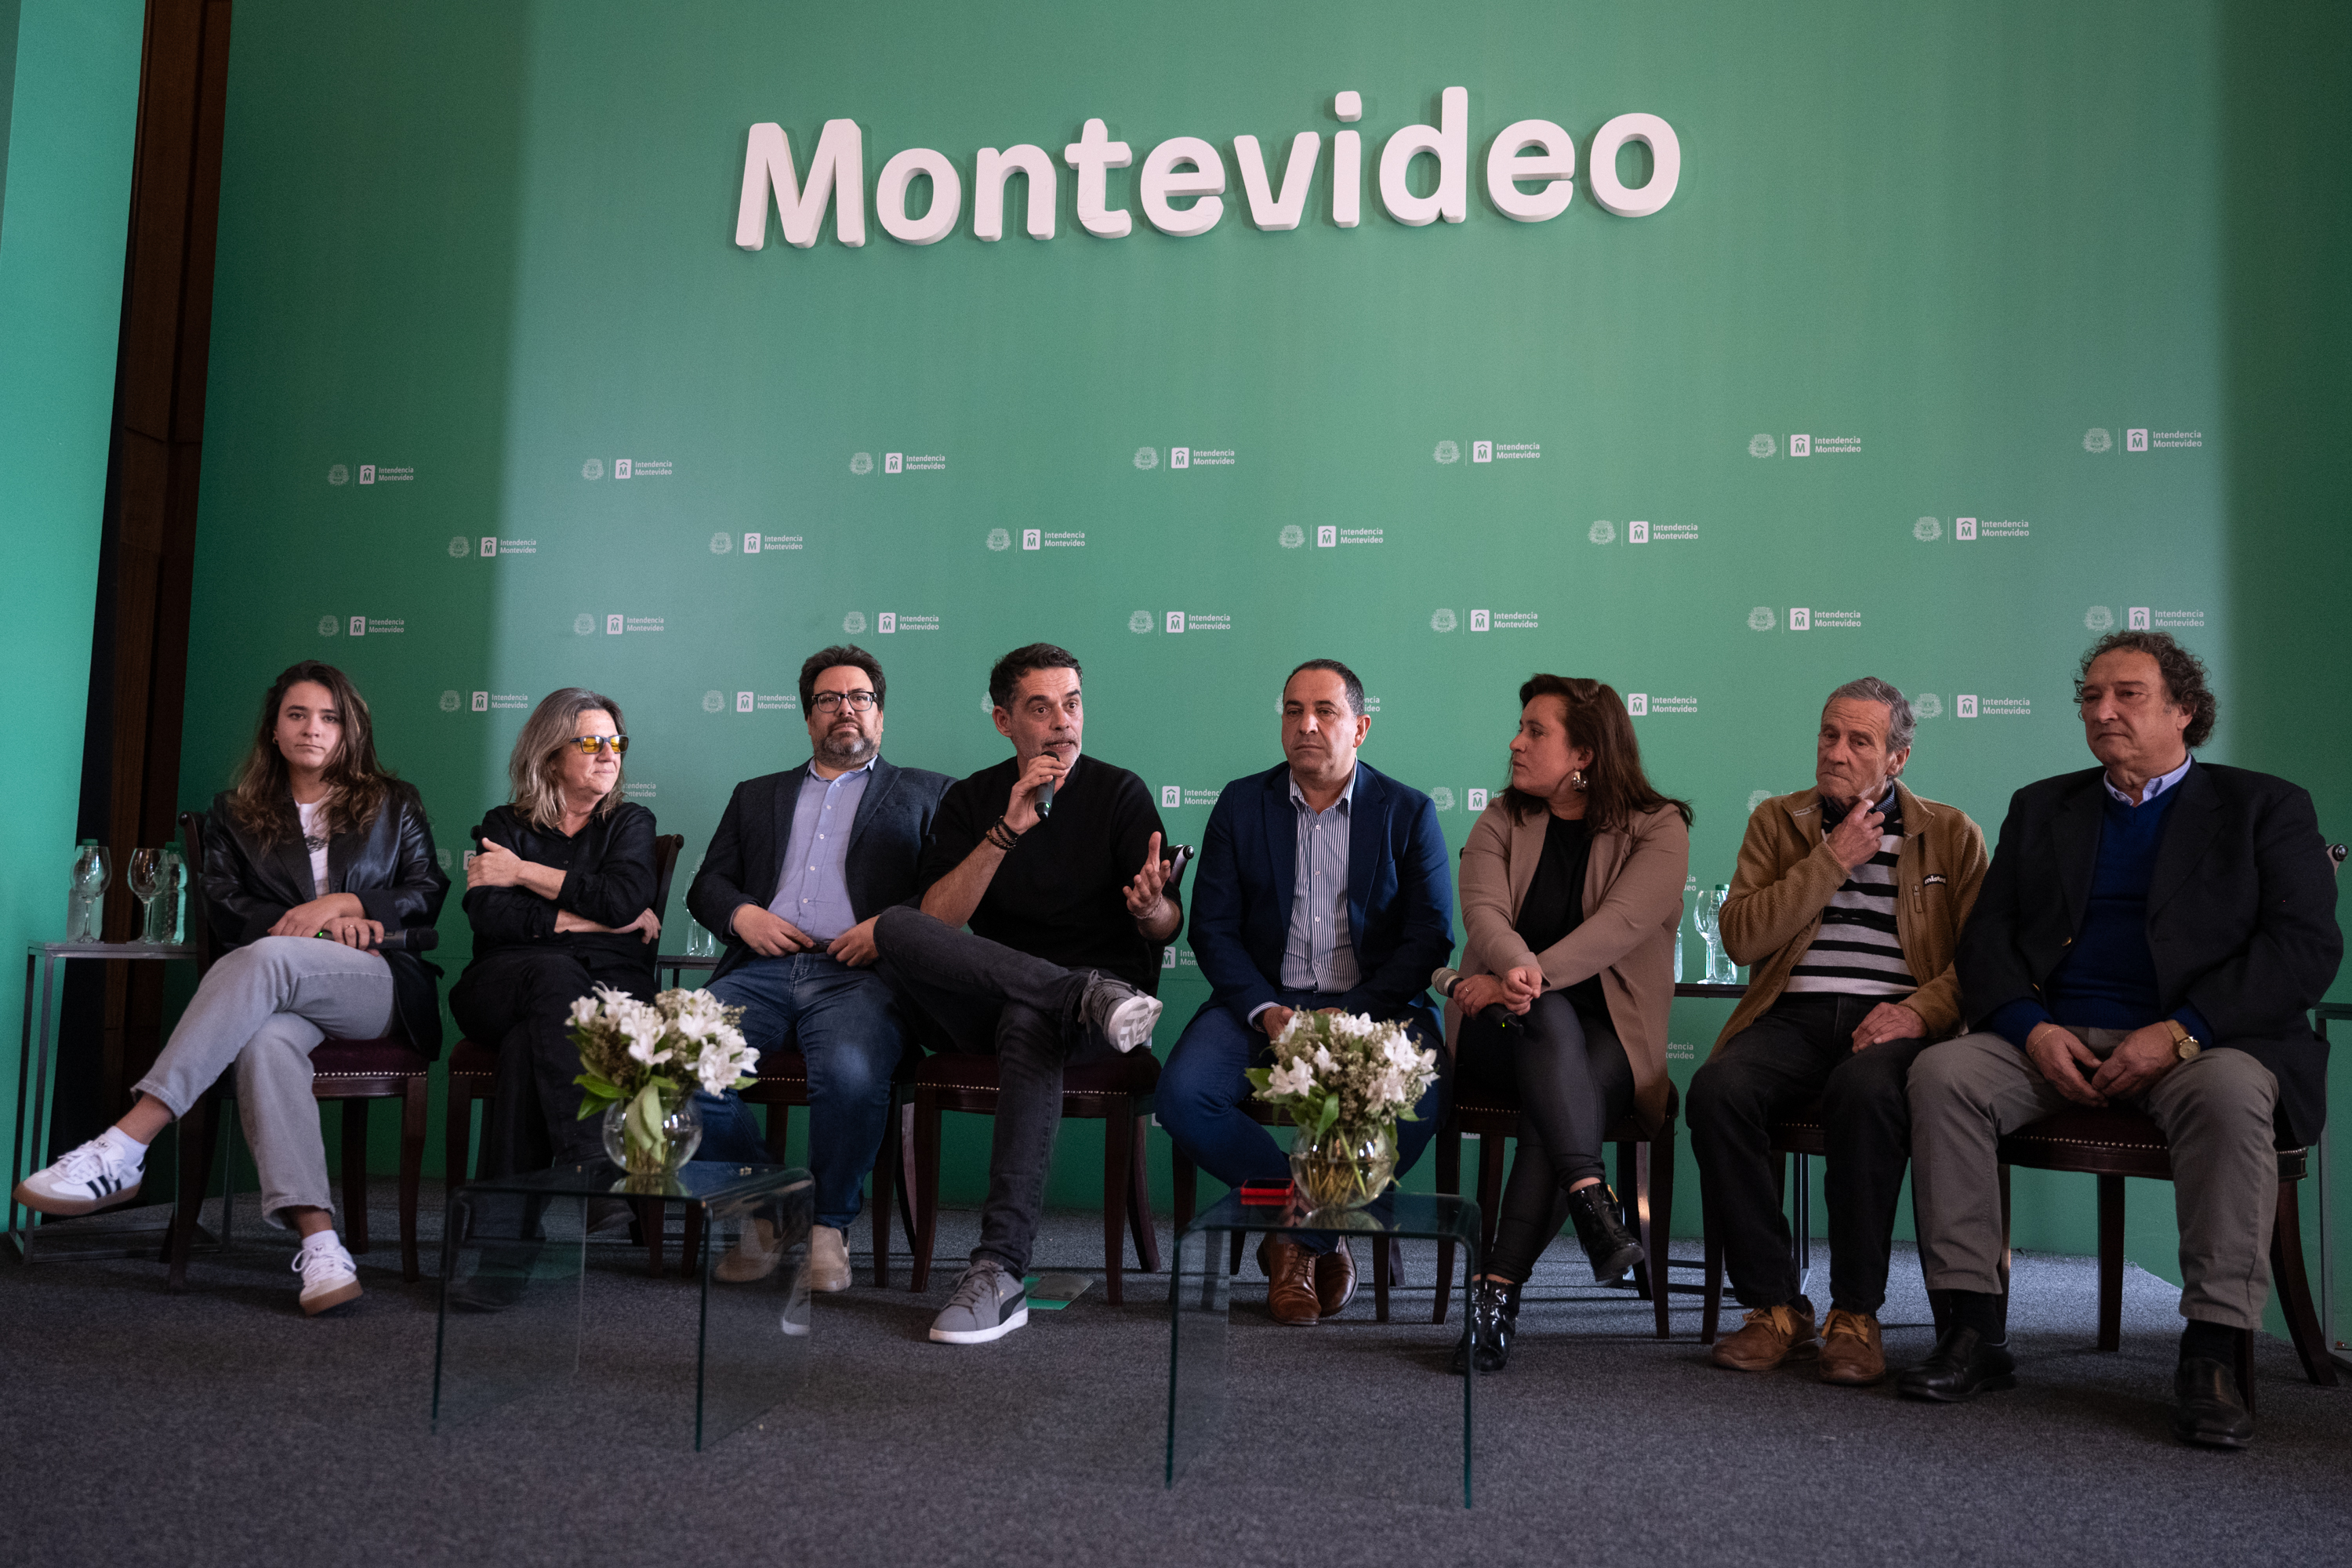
[
  {"x": 354, "y": 1072},
  {"x": 781, "y": 1083},
  {"x": 1798, "y": 1136},
  {"x": 1388, "y": 1262},
  {"x": 2114, "y": 1142},
  {"x": 1116, "y": 1093},
  {"x": 474, "y": 1078},
  {"x": 1645, "y": 1187}
]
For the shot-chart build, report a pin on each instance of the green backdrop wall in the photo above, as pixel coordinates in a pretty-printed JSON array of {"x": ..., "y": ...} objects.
[
  {"x": 69, "y": 105},
  {"x": 1939, "y": 361}
]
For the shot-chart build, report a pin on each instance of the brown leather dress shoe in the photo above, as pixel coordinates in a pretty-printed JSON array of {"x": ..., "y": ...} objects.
[
  {"x": 1291, "y": 1275},
  {"x": 1335, "y": 1280},
  {"x": 1769, "y": 1336},
  {"x": 1850, "y": 1349}
]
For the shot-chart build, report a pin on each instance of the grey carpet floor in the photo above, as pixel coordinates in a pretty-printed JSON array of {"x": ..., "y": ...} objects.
[{"x": 223, "y": 1427}]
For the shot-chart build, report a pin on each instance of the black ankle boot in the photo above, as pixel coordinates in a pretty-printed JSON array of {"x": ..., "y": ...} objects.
[
  {"x": 1606, "y": 1242},
  {"x": 1494, "y": 1320}
]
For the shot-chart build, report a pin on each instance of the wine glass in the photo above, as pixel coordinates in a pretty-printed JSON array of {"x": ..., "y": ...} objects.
[
  {"x": 1720, "y": 970},
  {"x": 143, "y": 874}
]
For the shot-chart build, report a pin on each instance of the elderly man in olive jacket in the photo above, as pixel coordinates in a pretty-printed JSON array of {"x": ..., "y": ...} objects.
[{"x": 1847, "y": 904}]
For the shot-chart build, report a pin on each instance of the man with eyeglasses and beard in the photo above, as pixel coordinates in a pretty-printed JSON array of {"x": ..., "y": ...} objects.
[{"x": 800, "y": 866}]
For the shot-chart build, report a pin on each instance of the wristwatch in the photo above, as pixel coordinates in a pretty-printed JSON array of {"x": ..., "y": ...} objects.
[{"x": 2184, "y": 1045}]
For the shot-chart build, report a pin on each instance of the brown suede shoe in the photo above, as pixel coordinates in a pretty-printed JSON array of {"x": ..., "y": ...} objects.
[
  {"x": 1335, "y": 1280},
  {"x": 1850, "y": 1349},
  {"x": 1290, "y": 1274},
  {"x": 1769, "y": 1336}
]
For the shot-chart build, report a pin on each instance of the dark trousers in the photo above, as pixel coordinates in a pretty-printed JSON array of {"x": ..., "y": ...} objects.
[
  {"x": 992, "y": 1000},
  {"x": 1802, "y": 1047},
  {"x": 1570, "y": 1074},
  {"x": 518, "y": 1003}
]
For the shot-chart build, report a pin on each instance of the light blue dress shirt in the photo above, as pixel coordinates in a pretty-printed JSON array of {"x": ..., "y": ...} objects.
[
  {"x": 2155, "y": 787},
  {"x": 814, "y": 893},
  {"x": 1321, "y": 952}
]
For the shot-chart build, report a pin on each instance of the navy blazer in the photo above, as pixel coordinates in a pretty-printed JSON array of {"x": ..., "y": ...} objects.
[
  {"x": 2240, "y": 916},
  {"x": 1400, "y": 893},
  {"x": 745, "y": 862}
]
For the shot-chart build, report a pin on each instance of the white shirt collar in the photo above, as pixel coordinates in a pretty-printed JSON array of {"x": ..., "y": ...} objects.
[
  {"x": 2155, "y": 787},
  {"x": 1347, "y": 793}
]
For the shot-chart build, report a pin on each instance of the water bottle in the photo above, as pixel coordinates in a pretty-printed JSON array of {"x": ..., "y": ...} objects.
[
  {"x": 1690, "y": 885},
  {"x": 1720, "y": 970},
  {"x": 86, "y": 905}
]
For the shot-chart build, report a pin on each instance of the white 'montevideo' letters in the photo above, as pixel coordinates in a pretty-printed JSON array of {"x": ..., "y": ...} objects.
[
  {"x": 1507, "y": 161},
  {"x": 1091, "y": 155},
  {"x": 1449, "y": 142},
  {"x": 891, "y": 196},
  {"x": 1162, "y": 182},
  {"x": 1181, "y": 186},
  {"x": 1266, "y": 209},
  {"x": 1665, "y": 165},
  {"x": 993, "y": 169},
  {"x": 836, "y": 172}
]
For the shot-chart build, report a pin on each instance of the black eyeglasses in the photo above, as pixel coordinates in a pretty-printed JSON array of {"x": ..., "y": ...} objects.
[
  {"x": 591, "y": 744},
  {"x": 831, "y": 701}
]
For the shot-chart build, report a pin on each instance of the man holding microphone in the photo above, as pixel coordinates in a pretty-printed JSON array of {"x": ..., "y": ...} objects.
[{"x": 1052, "y": 859}]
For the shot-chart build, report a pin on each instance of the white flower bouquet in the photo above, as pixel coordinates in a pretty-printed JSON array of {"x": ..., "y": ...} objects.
[
  {"x": 1346, "y": 1081},
  {"x": 648, "y": 1056}
]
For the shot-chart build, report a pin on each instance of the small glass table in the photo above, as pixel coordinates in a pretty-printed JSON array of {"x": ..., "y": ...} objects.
[
  {"x": 514, "y": 1286},
  {"x": 34, "y": 1089},
  {"x": 1200, "y": 1292}
]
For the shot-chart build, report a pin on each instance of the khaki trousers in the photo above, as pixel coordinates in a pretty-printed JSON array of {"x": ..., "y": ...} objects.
[{"x": 2215, "y": 1111}]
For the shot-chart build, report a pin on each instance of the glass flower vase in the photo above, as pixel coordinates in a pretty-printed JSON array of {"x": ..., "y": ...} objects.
[
  {"x": 1345, "y": 1167},
  {"x": 649, "y": 1151}
]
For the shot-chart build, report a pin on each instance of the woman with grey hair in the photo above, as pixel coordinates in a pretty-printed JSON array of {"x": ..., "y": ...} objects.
[{"x": 561, "y": 897}]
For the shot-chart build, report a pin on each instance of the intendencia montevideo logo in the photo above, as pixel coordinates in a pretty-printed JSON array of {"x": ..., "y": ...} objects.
[{"x": 1191, "y": 171}]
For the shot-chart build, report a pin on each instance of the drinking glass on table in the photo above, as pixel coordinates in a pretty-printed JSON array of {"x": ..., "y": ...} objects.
[{"x": 143, "y": 874}]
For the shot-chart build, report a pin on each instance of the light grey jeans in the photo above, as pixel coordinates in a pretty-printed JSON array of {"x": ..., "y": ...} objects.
[
  {"x": 2215, "y": 1111},
  {"x": 264, "y": 1007}
]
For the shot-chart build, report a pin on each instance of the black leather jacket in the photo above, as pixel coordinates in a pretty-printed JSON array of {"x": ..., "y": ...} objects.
[{"x": 390, "y": 868}]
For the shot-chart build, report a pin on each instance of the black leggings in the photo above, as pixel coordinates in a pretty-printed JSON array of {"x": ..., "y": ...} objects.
[{"x": 1571, "y": 1078}]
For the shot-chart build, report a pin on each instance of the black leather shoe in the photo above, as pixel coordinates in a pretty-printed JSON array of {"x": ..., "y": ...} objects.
[
  {"x": 1494, "y": 1320},
  {"x": 2207, "y": 1409},
  {"x": 1607, "y": 1243},
  {"x": 1961, "y": 1367}
]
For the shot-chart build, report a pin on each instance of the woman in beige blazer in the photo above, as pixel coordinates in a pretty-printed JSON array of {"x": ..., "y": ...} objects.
[{"x": 1571, "y": 893}]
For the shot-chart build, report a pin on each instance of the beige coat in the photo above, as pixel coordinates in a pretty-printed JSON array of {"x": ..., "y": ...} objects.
[
  {"x": 1633, "y": 906},
  {"x": 1787, "y": 874}
]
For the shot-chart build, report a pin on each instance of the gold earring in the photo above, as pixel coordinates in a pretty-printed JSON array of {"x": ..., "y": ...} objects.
[{"x": 1576, "y": 780}]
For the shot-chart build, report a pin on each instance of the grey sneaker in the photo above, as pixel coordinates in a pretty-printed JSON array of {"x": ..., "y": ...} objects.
[
  {"x": 1119, "y": 1012},
  {"x": 988, "y": 1304}
]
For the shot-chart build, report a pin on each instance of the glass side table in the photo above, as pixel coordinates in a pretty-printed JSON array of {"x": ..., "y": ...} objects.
[
  {"x": 514, "y": 1286},
  {"x": 33, "y": 1091},
  {"x": 1200, "y": 1292}
]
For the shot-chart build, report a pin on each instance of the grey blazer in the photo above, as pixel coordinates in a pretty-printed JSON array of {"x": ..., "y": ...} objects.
[{"x": 745, "y": 862}]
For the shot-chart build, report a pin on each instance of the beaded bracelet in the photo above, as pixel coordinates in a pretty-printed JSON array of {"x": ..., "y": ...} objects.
[{"x": 1000, "y": 833}]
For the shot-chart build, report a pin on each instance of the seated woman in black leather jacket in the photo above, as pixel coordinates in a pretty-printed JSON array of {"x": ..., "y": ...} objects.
[
  {"x": 561, "y": 897},
  {"x": 317, "y": 840}
]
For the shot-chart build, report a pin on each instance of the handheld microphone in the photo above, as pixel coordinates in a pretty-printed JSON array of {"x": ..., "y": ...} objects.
[
  {"x": 1495, "y": 1014},
  {"x": 1044, "y": 800},
  {"x": 412, "y": 938}
]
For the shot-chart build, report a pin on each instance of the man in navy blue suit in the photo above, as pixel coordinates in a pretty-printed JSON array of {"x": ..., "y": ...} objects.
[{"x": 1324, "y": 885}]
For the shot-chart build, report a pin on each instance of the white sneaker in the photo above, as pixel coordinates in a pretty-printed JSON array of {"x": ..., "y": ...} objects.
[
  {"x": 828, "y": 1259},
  {"x": 328, "y": 1276},
  {"x": 753, "y": 1256},
  {"x": 1123, "y": 1015},
  {"x": 92, "y": 1177}
]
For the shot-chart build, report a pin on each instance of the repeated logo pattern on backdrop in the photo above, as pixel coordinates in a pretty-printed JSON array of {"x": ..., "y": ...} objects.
[{"x": 666, "y": 467}]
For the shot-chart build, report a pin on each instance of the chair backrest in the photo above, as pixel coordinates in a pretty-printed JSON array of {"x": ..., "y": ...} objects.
[
  {"x": 200, "y": 928},
  {"x": 666, "y": 849}
]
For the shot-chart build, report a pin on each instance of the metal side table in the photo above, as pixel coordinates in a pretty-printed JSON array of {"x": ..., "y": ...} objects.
[{"x": 33, "y": 1064}]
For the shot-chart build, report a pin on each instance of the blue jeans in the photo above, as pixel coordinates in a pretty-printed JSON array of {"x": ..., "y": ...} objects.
[
  {"x": 845, "y": 1024},
  {"x": 1201, "y": 1092}
]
